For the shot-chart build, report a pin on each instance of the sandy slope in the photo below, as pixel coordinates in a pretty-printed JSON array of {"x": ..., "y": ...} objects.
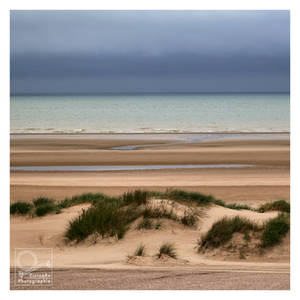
[{"x": 111, "y": 254}]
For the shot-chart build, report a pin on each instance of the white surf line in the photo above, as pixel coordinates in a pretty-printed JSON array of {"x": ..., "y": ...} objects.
[{"x": 125, "y": 168}]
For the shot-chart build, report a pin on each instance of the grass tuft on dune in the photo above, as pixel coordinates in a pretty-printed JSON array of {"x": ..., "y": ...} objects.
[
  {"x": 145, "y": 223},
  {"x": 233, "y": 205},
  {"x": 108, "y": 218},
  {"x": 190, "y": 197},
  {"x": 140, "y": 250},
  {"x": 42, "y": 201},
  {"x": 138, "y": 197},
  {"x": 45, "y": 209},
  {"x": 92, "y": 198},
  {"x": 280, "y": 205},
  {"x": 221, "y": 232},
  {"x": 274, "y": 230},
  {"x": 44, "y": 206},
  {"x": 21, "y": 208},
  {"x": 190, "y": 218},
  {"x": 167, "y": 249}
]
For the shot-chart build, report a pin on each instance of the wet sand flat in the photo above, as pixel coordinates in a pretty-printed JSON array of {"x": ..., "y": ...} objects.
[
  {"x": 267, "y": 180},
  {"x": 250, "y": 152}
]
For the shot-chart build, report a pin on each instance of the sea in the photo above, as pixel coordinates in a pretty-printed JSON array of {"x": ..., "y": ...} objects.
[{"x": 150, "y": 113}]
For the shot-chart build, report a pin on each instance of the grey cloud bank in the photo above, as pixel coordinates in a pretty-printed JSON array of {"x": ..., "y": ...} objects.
[{"x": 149, "y": 51}]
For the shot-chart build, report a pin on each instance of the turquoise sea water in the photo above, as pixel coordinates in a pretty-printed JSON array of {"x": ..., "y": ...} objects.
[{"x": 151, "y": 113}]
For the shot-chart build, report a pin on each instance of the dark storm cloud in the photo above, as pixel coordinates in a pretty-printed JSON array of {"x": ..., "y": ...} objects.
[
  {"x": 164, "y": 65},
  {"x": 136, "y": 51}
]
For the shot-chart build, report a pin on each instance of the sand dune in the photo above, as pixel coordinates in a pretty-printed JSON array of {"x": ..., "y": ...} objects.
[{"x": 48, "y": 232}]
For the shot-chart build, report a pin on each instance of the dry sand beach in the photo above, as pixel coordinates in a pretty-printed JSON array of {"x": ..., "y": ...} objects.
[{"x": 267, "y": 179}]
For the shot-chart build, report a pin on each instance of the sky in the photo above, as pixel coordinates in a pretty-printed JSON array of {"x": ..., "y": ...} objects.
[{"x": 90, "y": 52}]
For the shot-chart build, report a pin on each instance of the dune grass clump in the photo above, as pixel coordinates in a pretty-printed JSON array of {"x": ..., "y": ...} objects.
[
  {"x": 44, "y": 206},
  {"x": 121, "y": 230},
  {"x": 158, "y": 225},
  {"x": 269, "y": 234},
  {"x": 45, "y": 209},
  {"x": 148, "y": 224},
  {"x": 167, "y": 249},
  {"x": 21, "y": 208},
  {"x": 140, "y": 250},
  {"x": 238, "y": 206},
  {"x": 92, "y": 198},
  {"x": 159, "y": 212},
  {"x": 219, "y": 202},
  {"x": 42, "y": 201},
  {"x": 221, "y": 232},
  {"x": 274, "y": 230},
  {"x": 201, "y": 199},
  {"x": 232, "y": 206},
  {"x": 280, "y": 205},
  {"x": 106, "y": 218},
  {"x": 145, "y": 223},
  {"x": 137, "y": 197},
  {"x": 192, "y": 197},
  {"x": 189, "y": 219}
]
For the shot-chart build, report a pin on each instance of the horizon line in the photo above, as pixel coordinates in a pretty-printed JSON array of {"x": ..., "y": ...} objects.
[{"x": 139, "y": 93}]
